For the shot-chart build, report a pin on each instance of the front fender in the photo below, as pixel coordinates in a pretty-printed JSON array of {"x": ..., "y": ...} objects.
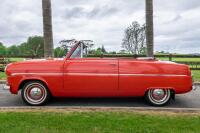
[{"x": 15, "y": 82}]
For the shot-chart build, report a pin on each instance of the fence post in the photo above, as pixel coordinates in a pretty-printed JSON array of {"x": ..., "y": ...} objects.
[
  {"x": 135, "y": 56},
  {"x": 170, "y": 57}
]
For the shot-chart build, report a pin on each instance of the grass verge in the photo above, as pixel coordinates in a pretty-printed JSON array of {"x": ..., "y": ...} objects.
[
  {"x": 2, "y": 75},
  {"x": 196, "y": 75},
  {"x": 97, "y": 122}
]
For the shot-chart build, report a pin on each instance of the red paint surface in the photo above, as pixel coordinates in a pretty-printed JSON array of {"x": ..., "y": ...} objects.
[{"x": 100, "y": 77}]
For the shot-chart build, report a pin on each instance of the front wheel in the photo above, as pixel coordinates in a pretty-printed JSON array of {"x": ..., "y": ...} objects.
[
  {"x": 158, "y": 97},
  {"x": 35, "y": 93}
]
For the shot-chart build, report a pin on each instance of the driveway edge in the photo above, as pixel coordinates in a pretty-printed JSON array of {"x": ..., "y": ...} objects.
[
  {"x": 122, "y": 109},
  {"x": 196, "y": 83}
]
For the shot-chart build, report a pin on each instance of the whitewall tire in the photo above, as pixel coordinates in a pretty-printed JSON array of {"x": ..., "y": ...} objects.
[
  {"x": 35, "y": 93},
  {"x": 158, "y": 97}
]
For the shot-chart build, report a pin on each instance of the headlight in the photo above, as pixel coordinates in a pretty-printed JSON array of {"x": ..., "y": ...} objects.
[{"x": 5, "y": 68}]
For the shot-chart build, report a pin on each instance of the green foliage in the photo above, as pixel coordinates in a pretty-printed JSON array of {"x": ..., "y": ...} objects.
[
  {"x": 112, "y": 52},
  {"x": 98, "y": 51},
  {"x": 13, "y": 50},
  {"x": 97, "y": 122},
  {"x": 34, "y": 47},
  {"x": 60, "y": 52},
  {"x": 2, "y": 49},
  {"x": 103, "y": 50}
]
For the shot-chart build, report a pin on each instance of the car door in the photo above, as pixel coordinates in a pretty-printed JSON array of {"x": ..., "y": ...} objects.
[{"x": 90, "y": 77}]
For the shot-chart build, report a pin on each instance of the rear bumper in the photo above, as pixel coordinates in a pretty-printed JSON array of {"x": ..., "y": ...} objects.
[{"x": 196, "y": 86}]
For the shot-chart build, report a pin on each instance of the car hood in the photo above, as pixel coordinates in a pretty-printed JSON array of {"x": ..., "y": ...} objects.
[{"x": 35, "y": 65}]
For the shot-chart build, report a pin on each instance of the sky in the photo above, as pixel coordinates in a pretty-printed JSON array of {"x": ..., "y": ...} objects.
[{"x": 176, "y": 22}]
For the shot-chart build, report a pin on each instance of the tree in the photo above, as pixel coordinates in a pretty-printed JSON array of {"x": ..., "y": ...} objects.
[
  {"x": 2, "y": 49},
  {"x": 98, "y": 51},
  {"x": 47, "y": 28},
  {"x": 66, "y": 44},
  {"x": 59, "y": 52},
  {"x": 134, "y": 39},
  {"x": 149, "y": 28},
  {"x": 103, "y": 50},
  {"x": 34, "y": 46},
  {"x": 13, "y": 50}
]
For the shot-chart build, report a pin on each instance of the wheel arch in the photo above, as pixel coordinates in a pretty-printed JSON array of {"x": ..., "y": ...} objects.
[{"x": 24, "y": 81}]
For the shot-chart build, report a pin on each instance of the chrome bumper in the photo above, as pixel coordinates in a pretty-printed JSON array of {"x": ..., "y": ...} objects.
[
  {"x": 6, "y": 87},
  {"x": 196, "y": 86}
]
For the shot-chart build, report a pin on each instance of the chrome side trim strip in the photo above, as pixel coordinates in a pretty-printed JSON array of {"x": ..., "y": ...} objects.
[
  {"x": 154, "y": 75},
  {"x": 91, "y": 74},
  {"x": 99, "y": 74},
  {"x": 46, "y": 74}
]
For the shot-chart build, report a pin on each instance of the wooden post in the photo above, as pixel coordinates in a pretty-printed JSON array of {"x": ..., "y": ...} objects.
[
  {"x": 149, "y": 28},
  {"x": 47, "y": 28},
  {"x": 170, "y": 57}
]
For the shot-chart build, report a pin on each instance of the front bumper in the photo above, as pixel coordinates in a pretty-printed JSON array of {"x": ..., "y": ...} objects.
[{"x": 6, "y": 87}]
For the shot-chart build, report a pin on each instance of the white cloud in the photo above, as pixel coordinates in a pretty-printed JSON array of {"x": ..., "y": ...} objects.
[{"x": 176, "y": 22}]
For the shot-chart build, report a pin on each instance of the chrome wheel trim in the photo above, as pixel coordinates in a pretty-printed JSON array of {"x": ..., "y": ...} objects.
[
  {"x": 35, "y": 93},
  {"x": 159, "y": 96}
]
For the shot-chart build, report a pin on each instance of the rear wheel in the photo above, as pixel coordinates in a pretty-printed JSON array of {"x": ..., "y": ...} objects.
[
  {"x": 158, "y": 97},
  {"x": 35, "y": 93}
]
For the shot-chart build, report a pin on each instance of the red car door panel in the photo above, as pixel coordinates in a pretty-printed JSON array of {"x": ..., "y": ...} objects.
[{"x": 90, "y": 77}]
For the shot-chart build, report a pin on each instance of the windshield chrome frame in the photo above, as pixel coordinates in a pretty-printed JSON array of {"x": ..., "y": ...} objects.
[{"x": 81, "y": 50}]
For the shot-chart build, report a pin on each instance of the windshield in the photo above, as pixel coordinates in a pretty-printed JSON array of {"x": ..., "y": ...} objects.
[
  {"x": 80, "y": 52},
  {"x": 77, "y": 53}
]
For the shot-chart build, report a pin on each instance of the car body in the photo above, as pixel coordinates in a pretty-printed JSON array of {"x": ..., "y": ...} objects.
[{"x": 76, "y": 76}]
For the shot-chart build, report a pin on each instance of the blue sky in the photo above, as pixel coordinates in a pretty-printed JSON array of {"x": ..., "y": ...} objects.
[{"x": 177, "y": 23}]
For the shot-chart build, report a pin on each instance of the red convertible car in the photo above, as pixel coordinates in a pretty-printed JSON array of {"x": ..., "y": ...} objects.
[{"x": 79, "y": 76}]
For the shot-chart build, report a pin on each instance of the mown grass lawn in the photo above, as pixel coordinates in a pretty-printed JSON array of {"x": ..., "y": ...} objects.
[
  {"x": 196, "y": 75},
  {"x": 181, "y": 59},
  {"x": 2, "y": 75},
  {"x": 16, "y": 59},
  {"x": 97, "y": 122}
]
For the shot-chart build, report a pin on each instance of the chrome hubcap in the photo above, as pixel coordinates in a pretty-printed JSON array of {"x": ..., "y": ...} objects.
[
  {"x": 35, "y": 93},
  {"x": 159, "y": 94}
]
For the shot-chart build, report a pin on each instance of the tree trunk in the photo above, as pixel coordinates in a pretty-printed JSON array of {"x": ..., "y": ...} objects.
[
  {"x": 47, "y": 28},
  {"x": 149, "y": 28}
]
